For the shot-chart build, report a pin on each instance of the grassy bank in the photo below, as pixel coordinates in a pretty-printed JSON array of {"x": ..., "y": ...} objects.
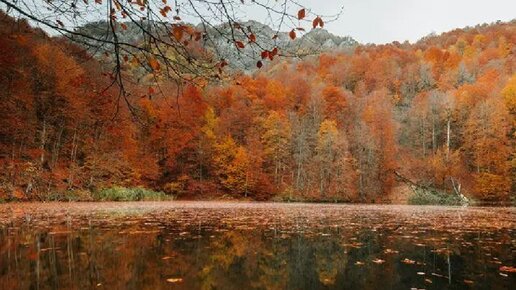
[
  {"x": 434, "y": 197},
  {"x": 129, "y": 194},
  {"x": 115, "y": 193}
]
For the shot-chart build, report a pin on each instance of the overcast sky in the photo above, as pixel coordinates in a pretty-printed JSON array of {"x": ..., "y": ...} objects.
[
  {"x": 383, "y": 21},
  {"x": 370, "y": 21}
]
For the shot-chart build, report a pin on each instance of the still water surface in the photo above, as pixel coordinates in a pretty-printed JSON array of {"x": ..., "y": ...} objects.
[{"x": 223, "y": 245}]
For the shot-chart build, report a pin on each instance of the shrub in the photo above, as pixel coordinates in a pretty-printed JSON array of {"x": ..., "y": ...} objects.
[
  {"x": 129, "y": 194},
  {"x": 434, "y": 197}
]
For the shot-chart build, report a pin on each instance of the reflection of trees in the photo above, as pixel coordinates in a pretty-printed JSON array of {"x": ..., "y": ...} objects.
[{"x": 137, "y": 256}]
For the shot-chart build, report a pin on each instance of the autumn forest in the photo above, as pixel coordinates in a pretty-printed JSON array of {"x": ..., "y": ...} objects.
[{"x": 363, "y": 124}]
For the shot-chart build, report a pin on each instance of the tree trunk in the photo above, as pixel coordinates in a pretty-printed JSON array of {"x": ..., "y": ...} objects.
[{"x": 448, "y": 133}]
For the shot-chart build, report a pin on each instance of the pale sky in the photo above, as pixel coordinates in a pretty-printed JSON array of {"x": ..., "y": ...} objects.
[
  {"x": 367, "y": 21},
  {"x": 384, "y": 21}
]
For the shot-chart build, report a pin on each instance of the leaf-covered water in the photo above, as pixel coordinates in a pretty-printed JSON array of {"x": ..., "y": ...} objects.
[{"x": 220, "y": 245}]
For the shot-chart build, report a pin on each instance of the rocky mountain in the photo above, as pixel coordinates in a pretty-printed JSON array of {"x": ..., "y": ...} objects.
[
  {"x": 220, "y": 40},
  {"x": 309, "y": 43}
]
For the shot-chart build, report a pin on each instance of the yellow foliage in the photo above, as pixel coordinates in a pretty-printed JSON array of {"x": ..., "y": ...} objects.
[{"x": 509, "y": 94}]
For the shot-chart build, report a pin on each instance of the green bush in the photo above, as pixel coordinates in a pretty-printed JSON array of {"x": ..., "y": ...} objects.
[
  {"x": 434, "y": 197},
  {"x": 128, "y": 194}
]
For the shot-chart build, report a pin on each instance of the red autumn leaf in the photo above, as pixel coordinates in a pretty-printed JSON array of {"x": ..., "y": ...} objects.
[
  {"x": 252, "y": 38},
  {"x": 321, "y": 23},
  {"x": 265, "y": 54},
  {"x": 151, "y": 90},
  {"x": 292, "y": 34},
  {"x": 301, "y": 14},
  {"x": 177, "y": 18},
  {"x": 259, "y": 64},
  {"x": 274, "y": 51},
  {"x": 239, "y": 44},
  {"x": 154, "y": 64},
  {"x": 124, "y": 27},
  {"x": 318, "y": 22},
  {"x": 177, "y": 31}
]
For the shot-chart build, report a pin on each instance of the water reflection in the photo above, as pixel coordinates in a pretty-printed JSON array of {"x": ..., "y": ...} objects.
[{"x": 189, "y": 245}]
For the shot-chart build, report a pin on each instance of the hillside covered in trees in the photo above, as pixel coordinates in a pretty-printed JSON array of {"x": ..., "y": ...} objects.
[{"x": 355, "y": 125}]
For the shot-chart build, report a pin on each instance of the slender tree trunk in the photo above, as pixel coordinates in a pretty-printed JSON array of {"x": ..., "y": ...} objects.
[
  {"x": 43, "y": 141},
  {"x": 448, "y": 135},
  {"x": 434, "y": 145}
]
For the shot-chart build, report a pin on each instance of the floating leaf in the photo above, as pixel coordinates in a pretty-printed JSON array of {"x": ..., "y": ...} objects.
[
  {"x": 508, "y": 269},
  {"x": 175, "y": 280},
  {"x": 408, "y": 261},
  {"x": 378, "y": 261}
]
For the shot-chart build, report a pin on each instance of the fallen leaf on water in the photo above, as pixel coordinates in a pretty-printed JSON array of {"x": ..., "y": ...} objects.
[
  {"x": 504, "y": 275},
  {"x": 428, "y": 281},
  {"x": 508, "y": 269},
  {"x": 439, "y": 275},
  {"x": 390, "y": 251},
  {"x": 358, "y": 263},
  {"x": 175, "y": 280},
  {"x": 421, "y": 273},
  {"x": 468, "y": 281},
  {"x": 408, "y": 261},
  {"x": 378, "y": 261}
]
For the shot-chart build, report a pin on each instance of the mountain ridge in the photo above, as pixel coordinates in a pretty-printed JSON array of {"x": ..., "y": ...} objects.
[{"x": 219, "y": 40}]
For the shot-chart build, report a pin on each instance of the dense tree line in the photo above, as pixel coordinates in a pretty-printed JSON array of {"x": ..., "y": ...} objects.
[{"x": 338, "y": 126}]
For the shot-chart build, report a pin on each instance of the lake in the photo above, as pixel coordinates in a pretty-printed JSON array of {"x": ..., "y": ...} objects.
[{"x": 237, "y": 245}]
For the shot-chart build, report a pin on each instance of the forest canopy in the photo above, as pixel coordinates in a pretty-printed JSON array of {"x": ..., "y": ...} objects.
[{"x": 339, "y": 126}]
